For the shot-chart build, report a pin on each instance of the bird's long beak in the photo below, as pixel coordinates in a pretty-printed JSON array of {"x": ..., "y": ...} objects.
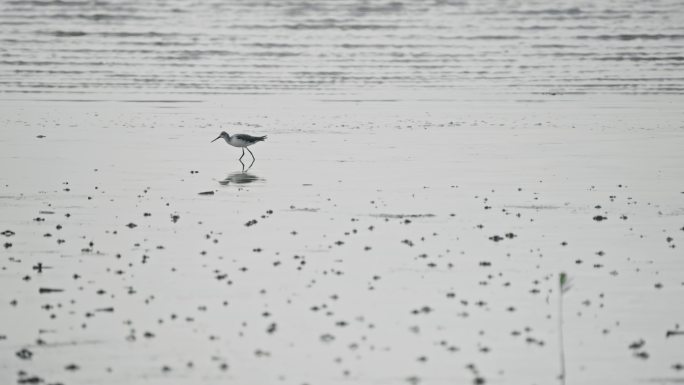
[{"x": 219, "y": 137}]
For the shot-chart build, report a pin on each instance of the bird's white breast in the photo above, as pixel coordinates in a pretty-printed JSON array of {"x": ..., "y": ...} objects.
[{"x": 235, "y": 142}]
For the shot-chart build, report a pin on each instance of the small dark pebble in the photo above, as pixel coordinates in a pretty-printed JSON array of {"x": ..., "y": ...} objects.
[
  {"x": 206, "y": 193},
  {"x": 327, "y": 338},
  {"x": 46, "y": 290},
  {"x": 30, "y": 380},
  {"x": 637, "y": 344},
  {"x": 25, "y": 354},
  {"x": 600, "y": 218},
  {"x": 39, "y": 267}
]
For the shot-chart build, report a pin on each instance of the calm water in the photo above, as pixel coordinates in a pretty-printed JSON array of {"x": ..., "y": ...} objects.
[{"x": 341, "y": 47}]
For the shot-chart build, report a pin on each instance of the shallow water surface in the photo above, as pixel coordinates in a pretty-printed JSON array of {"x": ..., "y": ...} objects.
[{"x": 341, "y": 47}]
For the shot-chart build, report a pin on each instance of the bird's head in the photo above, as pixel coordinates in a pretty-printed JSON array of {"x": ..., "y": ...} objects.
[{"x": 223, "y": 135}]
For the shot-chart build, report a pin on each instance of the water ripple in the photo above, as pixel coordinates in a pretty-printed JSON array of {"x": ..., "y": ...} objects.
[{"x": 340, "y": 47}]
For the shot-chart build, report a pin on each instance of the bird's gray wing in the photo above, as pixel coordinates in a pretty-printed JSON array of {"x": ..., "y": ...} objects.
[{"x": 249, "y": 138}]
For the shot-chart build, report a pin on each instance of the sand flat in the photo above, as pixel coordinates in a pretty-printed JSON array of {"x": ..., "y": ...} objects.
[{"x": 394, "y": 242}]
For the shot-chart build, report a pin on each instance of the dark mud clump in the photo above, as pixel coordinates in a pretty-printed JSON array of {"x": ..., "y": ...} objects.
[
  {"x": 48, "y": 290},
  {"x": 25, "y": 354}
]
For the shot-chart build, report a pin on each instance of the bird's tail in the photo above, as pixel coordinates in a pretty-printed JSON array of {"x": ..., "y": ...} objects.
[{"x": 261, "y": 138}]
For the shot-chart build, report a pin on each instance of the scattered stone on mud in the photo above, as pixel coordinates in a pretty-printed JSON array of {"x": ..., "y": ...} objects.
[
  {"x": 637, "y": 344},
  {"x": 24, "y": 354},
  {"x": 327, "y": 338},
  {"x": 407, "y": 242},
  {"x": 31, "y": 380},
  {"x": 47, "y": 290}
]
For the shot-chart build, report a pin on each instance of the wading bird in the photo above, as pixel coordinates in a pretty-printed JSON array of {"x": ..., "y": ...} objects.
[{"x": 241, "y": 140}]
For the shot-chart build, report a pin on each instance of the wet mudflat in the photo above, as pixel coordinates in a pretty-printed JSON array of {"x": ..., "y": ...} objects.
[{"x": 371, "y": 242}]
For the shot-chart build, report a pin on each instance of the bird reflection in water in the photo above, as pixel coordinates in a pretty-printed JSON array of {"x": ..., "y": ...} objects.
[{"x": 240, "y": 177}]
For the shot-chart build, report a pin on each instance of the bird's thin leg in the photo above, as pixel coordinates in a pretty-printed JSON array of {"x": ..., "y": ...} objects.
[
  {"x": 253, "y": 159},
  {"x": 243, "y": 154}
]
